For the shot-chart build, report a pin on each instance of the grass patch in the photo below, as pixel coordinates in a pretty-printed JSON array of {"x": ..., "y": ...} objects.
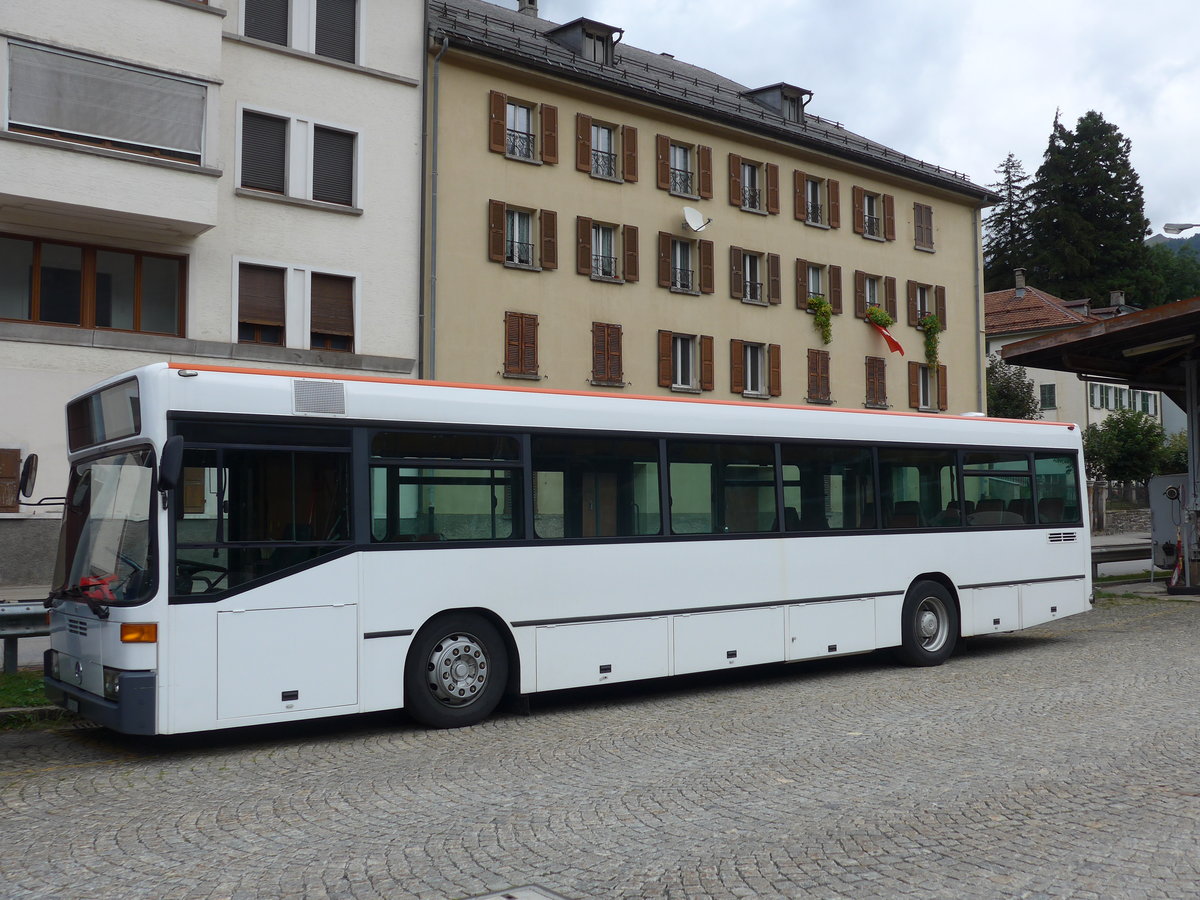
[{"x": 22, "y": 689}]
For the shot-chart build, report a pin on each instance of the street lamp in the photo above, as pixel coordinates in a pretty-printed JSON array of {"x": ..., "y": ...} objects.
[{"x": 1176, "y": 227}]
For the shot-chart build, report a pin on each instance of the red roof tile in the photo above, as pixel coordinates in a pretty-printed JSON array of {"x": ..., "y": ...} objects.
[{"x": 1004, "y": 312}]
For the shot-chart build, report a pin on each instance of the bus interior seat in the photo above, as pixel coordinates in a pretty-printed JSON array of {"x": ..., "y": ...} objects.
[
  {"x": 1021, "y": 507},
  {"x": 990, "y": 505},
  {"x": 1050, "y": 509},
  {"x": 907, "y": 514}
]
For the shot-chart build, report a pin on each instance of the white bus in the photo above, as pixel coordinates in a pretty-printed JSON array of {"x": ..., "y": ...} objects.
[{"x": 246, "y": 547}]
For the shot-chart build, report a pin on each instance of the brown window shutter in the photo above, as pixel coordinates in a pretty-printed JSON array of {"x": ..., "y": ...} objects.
[
  {"x": 662, "y": 162},
  {"x": 583, "y": 245},
  {"x": 912, "y": 303},
  {"x": 707, "y": 363},
  {"x": 826, "y": 392},
  {"x": 889, "y": 217},
  {"x": 708, "y": 268},
  {"x": 801, "y": 284},
  {"x": 666, "y": 373},
  {"x": 583, "y": 142},
  {"x": 496, "y": 231},
  {"x": 10, "y": 478},
  {"x": 616, "y": 371},
  {"x": 331, "y": 305},
  {"x": 799, "y": 198},
  {"x": 704, "y": 163},
  {"x": 835, "y": 290},
  {"x": 737, "y": 366},
  {"x": 606, "y": 352},
  {"x": 549, "y": 230},
  {"x": 814, "y": 375},
  {"x": 497, "y": 121},
  {"x": 942, "y": 388},
  {"x": 857, "y": 206},
  {"x": 835, "y": 203},
  {"x": 512, "y": 343},
  {"x": 876, "y": 383},
  {"x": 914, "y": 385},
  {"x": 773, "y": 189},
  {"x": 889, "y": 295},
  {"x": 860, "y": 294},
  {"x": 735, "y": 180},
  {"x": 629, "y": 153},
  {"x": 529, "y": 344},
  {"x": 664, "y": 259},
  {"x": 939, "y": 300},
  {"x": 774, "y": 370},
  {"x": 774, "y": 279},
  {"x": 736, "y": 288},
  {"x": 261, "y": 294},
  {"x": 549, "y": 134},
  {"x": 629, "y": 238},
  {"x": 918, "y": 225}
]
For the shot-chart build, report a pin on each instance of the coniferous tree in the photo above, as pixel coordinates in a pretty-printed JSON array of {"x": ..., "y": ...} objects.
[
  {"x": 1088, "y": 222},
  {"x": 1006, "y": 243}
]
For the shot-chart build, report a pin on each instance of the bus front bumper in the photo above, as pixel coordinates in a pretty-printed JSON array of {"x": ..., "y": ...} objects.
[{"x": 131, "y": 713}]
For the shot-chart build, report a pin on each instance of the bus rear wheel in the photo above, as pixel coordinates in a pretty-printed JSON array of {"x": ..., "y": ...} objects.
[
  {"x": 928, "y": 625},
  {"x": 456, "y": 671}
]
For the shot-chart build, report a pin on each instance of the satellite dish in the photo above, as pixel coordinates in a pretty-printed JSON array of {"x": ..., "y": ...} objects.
[{"x": 694, "y": 219}]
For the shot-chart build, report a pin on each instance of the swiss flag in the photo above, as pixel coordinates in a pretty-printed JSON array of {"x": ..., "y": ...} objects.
[{"x": 893, "y": 344}]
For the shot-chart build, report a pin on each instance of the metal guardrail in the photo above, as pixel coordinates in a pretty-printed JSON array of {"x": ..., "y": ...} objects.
[
  {"x": 1124, "y": 553},
  {"x": 17, "y": 620}
]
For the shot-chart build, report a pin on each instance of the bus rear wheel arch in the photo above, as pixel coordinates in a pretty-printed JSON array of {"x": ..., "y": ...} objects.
[
  {"x": 929, "y": 624},
  {"x": 456, "y": 672}
]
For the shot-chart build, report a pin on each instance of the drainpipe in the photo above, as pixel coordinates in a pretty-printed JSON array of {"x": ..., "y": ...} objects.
[
  {"x": 430, "y": 371},
  {"x": 980, "y": 337}
]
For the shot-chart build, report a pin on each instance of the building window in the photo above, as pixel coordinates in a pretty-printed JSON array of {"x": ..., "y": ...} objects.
[
  {"x": 1048, "y": 398},
  {"x": 755, "y": 277},
  {"x": 753, "y": 186},
  {"x": 81, "y": 99},
  {"x": 511, "y": 237},
  {"x": 683, "y": 169},
  {"x": 1146, "y": 401},
  {"x": 1096, "y": 396},
  {"x": 325, "y": 27},
  {"x": 511, "y": 129},
  {"x": 874, "y": 214},
  {"x": 816, "y": 280},
  {"x": 923, "y": 226},
  {"x": 925, "y": 300},
  {"x": 604, "y": 258},
  {"x": 266, "y": 164},
  {"x": 606, "y": 355},
  {"x": 53, "y": 283},
  {"x": 520, "y": 345},
  {"x": 261, "y": 304},
  {"x": 927, "y": 388},
  {"x": 685, "y": 361},
  {"x": 678, "y": 260},
  {"x": 751, "y": 277},
  {"x": 818, "y": 377},
  {"x": 874, "y": 290},
  {"x": 754, "y": 369},
  {"x": 876, "y": 383},
  {"x": 793, "y": 109},
  {"x": 331, "y": 312},
  {"x": 816, "y": 200},
  {"x": 595, "y": 47},
  {"x": 605, "y": 151},
  {"x": 607, "y": 252}
]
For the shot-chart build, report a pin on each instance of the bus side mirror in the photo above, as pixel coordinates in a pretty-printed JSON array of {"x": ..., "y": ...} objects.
[
  {"x": 28, "y": 475},
  {"x": 170, "y": 464}
]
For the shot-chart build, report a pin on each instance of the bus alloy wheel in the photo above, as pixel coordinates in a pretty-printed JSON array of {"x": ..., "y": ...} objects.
[
  {"x": 456, "y": 672},
  {"x": 928, "y": 625}
]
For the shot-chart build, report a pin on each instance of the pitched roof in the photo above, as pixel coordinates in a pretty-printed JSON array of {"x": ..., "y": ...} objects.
[
  {"x": 661, "y": 79},
  {"x": 1005, "y": 313}
]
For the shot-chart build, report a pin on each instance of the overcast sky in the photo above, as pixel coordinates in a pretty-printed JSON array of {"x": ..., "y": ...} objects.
[{"x": 958, "y": 83}]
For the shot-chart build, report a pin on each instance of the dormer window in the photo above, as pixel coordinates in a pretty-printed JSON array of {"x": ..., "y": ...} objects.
[
  {"x": 588, "y": 39},
  {"x": 785, "y": 100},
  {"x": 792, "y": 108},
  {"x": 596, "y": 47}
]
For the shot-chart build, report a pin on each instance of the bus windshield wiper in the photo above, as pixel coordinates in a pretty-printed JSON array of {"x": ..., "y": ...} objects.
[{"x": 91, "y": 596}]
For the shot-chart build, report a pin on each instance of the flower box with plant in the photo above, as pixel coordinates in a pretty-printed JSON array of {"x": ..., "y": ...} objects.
[
  {"x": 822, "y": 311},
  {"x": 932, "y": 326},
  {"x": 878, "y": 316}
]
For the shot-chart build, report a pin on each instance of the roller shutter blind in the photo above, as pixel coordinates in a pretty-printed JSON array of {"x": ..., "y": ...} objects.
[
  {"x": 267, "y": 20},
  {"x": 261, "y": 295},
  {"x": 332, "y": 305},
  {"x": 333, "y": 166},
  {"x": 337, "y": 29},
  {"x": 264, "y": 152}
]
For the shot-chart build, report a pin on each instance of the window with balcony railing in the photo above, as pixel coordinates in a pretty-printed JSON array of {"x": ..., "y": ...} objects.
[
  {"x": 520, "y": 144},
  {"x": 604, "y": 164},
  {"x": 682, "y": 279},
  {"x": 604, "y": 266},
  {"x": 681, "y": 181},
  {"x": 814, "y": 212}
]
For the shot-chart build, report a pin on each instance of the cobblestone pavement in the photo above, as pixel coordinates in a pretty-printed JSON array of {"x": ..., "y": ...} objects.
[{"x": 1059, "y": 762}]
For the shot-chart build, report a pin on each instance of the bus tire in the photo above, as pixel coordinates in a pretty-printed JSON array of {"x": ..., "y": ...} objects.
[
  {"x": 456, "y": 671},
  {"x": 928, "y": 625}
]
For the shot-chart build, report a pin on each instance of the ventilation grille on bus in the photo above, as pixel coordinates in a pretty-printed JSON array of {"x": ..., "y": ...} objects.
[
  {"x": 77, "y": 626},
  {"x": 1062, "y": 537},
  {"x": 328, "y": 397}
]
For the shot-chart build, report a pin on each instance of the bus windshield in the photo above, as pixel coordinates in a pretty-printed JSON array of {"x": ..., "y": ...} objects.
[{"x": 104, "y": 548}]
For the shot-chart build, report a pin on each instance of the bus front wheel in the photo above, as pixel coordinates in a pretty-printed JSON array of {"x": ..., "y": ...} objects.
[
  {"x": 456, "y": 671},
  {"x": 928, "y": 625}
]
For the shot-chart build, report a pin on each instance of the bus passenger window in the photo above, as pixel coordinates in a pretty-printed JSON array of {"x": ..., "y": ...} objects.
[
  {"x": 1057, "y": 489},
  {"x": 722, "y": 488},
  {"x": 916, "y": 486},
  {"x": 999, "y": 486},
  {"x": 443, "y": 504},
  {"x": 827, "y": 488}
]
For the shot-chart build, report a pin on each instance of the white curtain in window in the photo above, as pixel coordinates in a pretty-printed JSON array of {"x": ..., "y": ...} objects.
[{"x": 62, "y": 92}]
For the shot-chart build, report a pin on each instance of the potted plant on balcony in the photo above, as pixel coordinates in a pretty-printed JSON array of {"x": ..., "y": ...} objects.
[
  {"x": 932, "y": 326},
  {"x": 822, "y": 311},
  {"x": 879, "y": 319}
]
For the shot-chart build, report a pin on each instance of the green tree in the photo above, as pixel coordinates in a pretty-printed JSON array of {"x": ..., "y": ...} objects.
[
  {"x": 1006, "y": 243},
  {"x": 1010, "y": 393},
  {"x": 1173, "y": 274},
  {"x": 1126, "y": 446},
  {"x": 1175, "y": 454},
  {"x": 1088, "y": 223}
]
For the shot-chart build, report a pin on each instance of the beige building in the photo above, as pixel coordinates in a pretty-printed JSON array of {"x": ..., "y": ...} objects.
[{"x": 600, "y": 217}]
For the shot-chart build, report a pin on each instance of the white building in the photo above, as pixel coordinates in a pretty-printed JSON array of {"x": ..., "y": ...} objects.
[{"x": 220, "y": 181}]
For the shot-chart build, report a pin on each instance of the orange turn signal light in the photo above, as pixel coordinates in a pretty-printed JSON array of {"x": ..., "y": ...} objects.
[{"x": 139, "y": 633}]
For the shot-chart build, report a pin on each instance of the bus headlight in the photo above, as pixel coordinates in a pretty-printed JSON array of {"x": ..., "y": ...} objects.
[{"x": 112, "y": 683}]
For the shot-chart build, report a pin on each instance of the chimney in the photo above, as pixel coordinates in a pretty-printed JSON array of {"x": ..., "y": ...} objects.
[
  {"x": 527, "y": 7},
  {"x": 1116, "y": 298},
  {"x": 1019, "y": 279}
]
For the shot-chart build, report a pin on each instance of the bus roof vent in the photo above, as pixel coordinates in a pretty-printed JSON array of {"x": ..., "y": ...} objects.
[{"x": 319, "y": 397}]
